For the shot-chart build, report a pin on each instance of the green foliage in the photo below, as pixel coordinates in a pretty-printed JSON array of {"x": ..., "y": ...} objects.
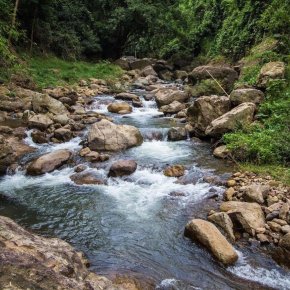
[
  {"x": 267, "y": 141},
  {"x": 52, "y": 71}
]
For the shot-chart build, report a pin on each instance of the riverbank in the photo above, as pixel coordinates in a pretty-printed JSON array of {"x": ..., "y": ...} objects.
[{"x": 63, "y": 149}]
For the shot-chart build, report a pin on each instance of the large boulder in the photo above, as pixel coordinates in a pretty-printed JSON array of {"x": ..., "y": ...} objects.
[
  {"x": 271, "y": 71},
  {"x": 209, "y": 236},
  {"x": 206, "y": 109},
  {"x": 242, "y": 114},
  {"x": 44, "y": 103},
  {"x": 167, "y": 96},
  {"x": 107, "y": 136},
  {"x": 172, "y": 108},
  {"x": 122, "y": 168},
  {"x": 249, "y": 216},
  {"x": 226, "y": 76},
  {"x": 119, "y": 108},
  {"x": 39, "y": 121},
  {"x": 240, "y": 96},
  {"x": 28, "y": 261},
  {"x": 148, "y": 71},
  {"x": 48, "y": 162}
]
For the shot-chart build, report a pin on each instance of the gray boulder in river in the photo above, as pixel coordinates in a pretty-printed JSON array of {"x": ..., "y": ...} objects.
[{"x": 107, "y": 136}]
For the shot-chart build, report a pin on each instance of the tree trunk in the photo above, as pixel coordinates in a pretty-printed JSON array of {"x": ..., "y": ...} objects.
[{"x": 13, "y": 19}]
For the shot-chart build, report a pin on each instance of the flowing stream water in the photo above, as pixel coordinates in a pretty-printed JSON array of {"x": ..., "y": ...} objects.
[{"x": 134, "y": 225}]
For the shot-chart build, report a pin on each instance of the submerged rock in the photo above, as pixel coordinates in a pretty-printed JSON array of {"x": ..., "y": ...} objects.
[
  {"x": 122, "y": 168},
  {"x": 48, "y": 162},
  {"x": 107, "y": 136},
  {"x": 209, "y": 236}
]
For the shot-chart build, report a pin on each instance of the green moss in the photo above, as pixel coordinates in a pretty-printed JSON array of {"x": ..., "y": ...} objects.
[{"x": 52, "y": 71}]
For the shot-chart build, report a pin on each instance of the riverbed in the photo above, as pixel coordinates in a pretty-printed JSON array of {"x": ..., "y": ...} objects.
[{"x": 134, "y": 225}]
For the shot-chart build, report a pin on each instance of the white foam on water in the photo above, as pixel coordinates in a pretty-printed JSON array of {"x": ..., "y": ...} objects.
[
  {"x": 173, "y": 284},
  {"x": 162, "y": 150},
  {"x": 72, "y": 144},
  {"x": 272, "y": 277},
  {"x": 148, "y": 110},
  {"x": 145, "y": 113},
  {"x": 138, "y": 195},
  {"x": 19, "y": 180}
]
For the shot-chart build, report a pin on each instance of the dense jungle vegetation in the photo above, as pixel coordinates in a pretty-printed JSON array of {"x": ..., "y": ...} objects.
[
  {"x": 186, "y": 30},
  {"x": 162, "y": 28}
]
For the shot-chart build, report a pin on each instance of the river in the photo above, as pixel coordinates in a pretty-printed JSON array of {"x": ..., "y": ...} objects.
[{"x": 134, "y": 225}]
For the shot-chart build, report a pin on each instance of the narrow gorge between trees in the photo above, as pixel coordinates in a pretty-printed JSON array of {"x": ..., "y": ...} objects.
[{"x": 119, "y": 180}]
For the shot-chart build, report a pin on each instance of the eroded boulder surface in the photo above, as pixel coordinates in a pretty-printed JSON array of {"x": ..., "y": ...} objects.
[
  {"x": 242, "y": 114},
  {"x": 120, "y": 108},
  {"x": 224, "y": 74},
  {"x": 167, "y": 96},
  {"x": 172, "y": 108},
  {"x": 86, "y": 178},
  {"x": 206, "y": 109},
  {"x": 49, "y": 162},
  {"x": 43, "y": 103},
  {"x": 107, "y": 136},
  {"x": 251, "y": 95},
  {"x": 271, "y": 71},
  {"x": 249, "y": 215},
  {"x": 210, "y": 237},
  {"x": 39, "y": 121},
  {"x": 28, "y": 261}
]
